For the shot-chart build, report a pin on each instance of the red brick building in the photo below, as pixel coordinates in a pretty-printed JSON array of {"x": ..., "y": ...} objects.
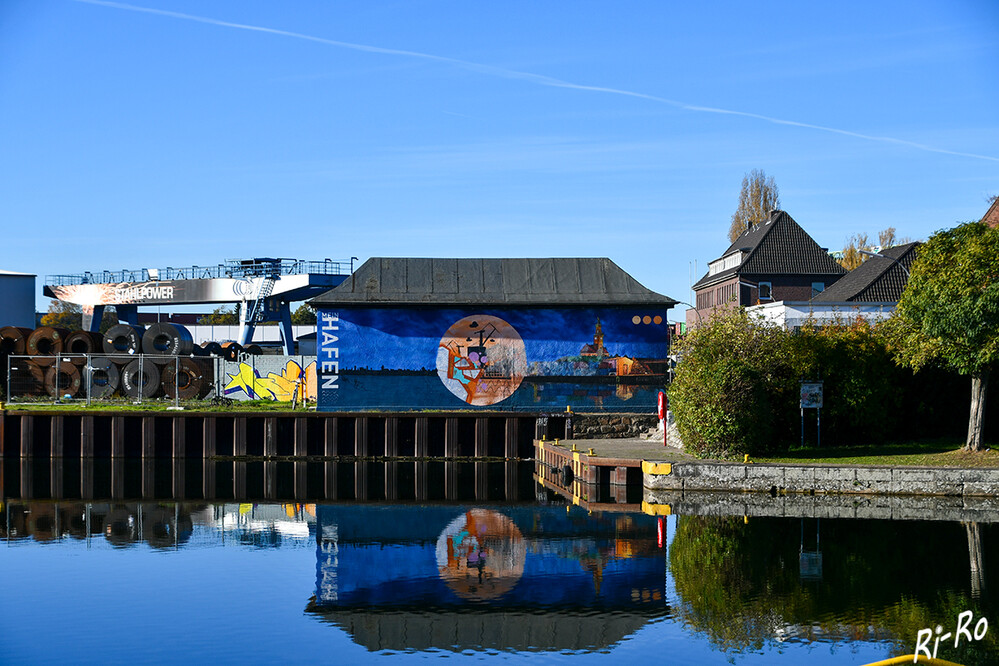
[{"x": 773, "y": 261}]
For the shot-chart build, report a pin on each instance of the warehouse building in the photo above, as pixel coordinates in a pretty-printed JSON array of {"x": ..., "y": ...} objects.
[
  {"x": 17, "y": 299},
  {"x": 491, "y": 334}
]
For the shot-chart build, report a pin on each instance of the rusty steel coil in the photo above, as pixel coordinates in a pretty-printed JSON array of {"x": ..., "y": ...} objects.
[
  {"x": 169, "y": 339},
  {"x": 26, "y": 377},
  {"x": 123, "y": 339},
  {"x": 184, "y": 378},
  {"x": 136, "y": 382},
  {"x": 63, "y": 380},
  {"x": 83, "y": 342},
  {"x": 104, "y": 378},
  {"x": 231, "y": 351},
  {"x": 45, "y": 341},
  {"x": 14, "y": 340}
]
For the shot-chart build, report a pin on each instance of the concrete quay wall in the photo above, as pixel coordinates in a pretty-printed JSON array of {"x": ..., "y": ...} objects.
[
  {"x": 824, "y": 479},
  {"x": 976, "y": 509}
]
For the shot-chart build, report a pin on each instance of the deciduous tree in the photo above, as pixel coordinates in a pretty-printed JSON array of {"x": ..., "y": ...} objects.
[
  {"x": 949, "y": 311},
  {"x": 303, "y": 316},
  {"x": 759, "y": 196}
]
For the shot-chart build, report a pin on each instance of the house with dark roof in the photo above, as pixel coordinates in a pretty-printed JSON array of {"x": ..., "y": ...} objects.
[
  {"x": 870, "y": 292},
  {"x": 770, "y": 262},
  {"x": 991, "y": 216},
  {"x": 536, "y": 334}
]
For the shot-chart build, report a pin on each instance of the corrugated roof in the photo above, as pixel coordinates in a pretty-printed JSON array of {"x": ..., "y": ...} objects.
[
  {"x": 777, "y": 247},
  {"x": 3, "y": 272},
  {"x": 877, "y": 280},
  {"x": 529, "y": 281}
]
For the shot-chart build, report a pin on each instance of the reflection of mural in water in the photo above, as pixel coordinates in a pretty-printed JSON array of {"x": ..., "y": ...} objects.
[
  {"x": 481, "y": 359},
  {"x": 249, "y": 383},
  {"x": 480, "y": 554}
]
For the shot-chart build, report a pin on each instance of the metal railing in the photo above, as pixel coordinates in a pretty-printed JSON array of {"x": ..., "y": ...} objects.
[{"x": 232, "y": 268}]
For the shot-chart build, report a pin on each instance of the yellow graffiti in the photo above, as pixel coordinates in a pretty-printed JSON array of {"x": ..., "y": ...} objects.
[{"x": 274, "y": 386}]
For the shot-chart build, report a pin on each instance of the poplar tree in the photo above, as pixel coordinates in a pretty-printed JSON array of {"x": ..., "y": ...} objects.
[{"x": 759, "y": 196}]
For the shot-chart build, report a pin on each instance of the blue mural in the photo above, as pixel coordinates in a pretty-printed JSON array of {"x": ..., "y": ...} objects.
[{"x": 523, "y": 359}]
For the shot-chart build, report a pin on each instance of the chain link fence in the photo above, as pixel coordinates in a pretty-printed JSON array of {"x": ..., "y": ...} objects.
[{"x": 140, "y": 378}]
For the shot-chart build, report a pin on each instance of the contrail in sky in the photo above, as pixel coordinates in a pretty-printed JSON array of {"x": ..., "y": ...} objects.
[{"x": 527, "y": 76}]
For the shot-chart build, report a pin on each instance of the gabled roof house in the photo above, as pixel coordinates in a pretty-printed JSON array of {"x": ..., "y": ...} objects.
[
  {"x": 870, "y": 291},
  {"x": 773, "y": 261}
]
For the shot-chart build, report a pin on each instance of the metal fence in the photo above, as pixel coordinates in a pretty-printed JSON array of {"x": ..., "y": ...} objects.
[{"x": 141, "y": 378}]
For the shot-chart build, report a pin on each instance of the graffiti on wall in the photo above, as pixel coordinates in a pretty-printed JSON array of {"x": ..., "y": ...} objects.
[
  {"x": 592, "y": 359},
  {"x": 252, "y": 382},
  {"x": 481, "y": 359}
]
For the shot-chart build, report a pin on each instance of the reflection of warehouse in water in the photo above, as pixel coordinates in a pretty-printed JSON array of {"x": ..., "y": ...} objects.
[{"x": 422, "y": 577}]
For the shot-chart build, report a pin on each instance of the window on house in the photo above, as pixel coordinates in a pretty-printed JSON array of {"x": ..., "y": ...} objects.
[
  {"x": 766, "y": 291},
  {"x": 818, "y": 288}
]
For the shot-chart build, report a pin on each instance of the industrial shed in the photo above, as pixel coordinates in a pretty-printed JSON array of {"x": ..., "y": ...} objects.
[
  {"x": 17, "y": 299},
  {"x": 491, "y": 334}
]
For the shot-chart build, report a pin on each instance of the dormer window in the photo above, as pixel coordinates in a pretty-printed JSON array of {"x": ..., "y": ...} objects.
[{"x": 728, "y": 261}]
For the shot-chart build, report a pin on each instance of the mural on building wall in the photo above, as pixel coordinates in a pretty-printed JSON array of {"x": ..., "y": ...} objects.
[
  {"x": 590, "y": 359},
  {"x": 481, "y": 359},
  {"x": 274, "y": 378}
]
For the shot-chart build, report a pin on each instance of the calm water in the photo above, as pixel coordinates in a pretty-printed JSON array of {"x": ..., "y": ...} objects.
[{"x": 354, "y": 580}]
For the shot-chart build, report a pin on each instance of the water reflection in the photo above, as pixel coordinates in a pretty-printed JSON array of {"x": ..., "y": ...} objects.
[
  {"x": 507, "y": 578},
  {"x": 491, "y": 562},
  {"x": 747, "y": 583}
]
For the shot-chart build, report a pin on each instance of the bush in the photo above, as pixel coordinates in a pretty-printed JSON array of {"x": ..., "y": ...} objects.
[
  {"x": 736, "y": 388},
  {"x": 732, "y": 385}
]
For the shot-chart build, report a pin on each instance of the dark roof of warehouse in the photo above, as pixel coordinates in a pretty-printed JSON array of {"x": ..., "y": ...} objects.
[
  {"x": 552, "y": 281},
  {"x": 877, "y": 280},
  {"x": 777, "y": 247}
]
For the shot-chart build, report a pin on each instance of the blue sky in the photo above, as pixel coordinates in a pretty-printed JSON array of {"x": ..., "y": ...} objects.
[{"x": 174, "y": 133}]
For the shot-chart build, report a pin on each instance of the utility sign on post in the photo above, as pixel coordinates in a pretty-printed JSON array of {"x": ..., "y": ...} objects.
[
  {"x": 811, "y": 395},
  {"x": 811, "y": 398}
]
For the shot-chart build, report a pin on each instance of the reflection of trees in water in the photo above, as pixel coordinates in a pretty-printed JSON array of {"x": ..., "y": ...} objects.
[{"x": 739, "y": 583}]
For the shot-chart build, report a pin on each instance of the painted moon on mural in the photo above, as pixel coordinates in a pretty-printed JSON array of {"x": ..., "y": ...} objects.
[
  {"x": 481, "y": 359},
  {"x": 481, "y": 555}
]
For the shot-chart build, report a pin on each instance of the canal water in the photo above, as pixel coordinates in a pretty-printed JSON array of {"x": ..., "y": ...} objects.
[{"x": 481, "y": 568}]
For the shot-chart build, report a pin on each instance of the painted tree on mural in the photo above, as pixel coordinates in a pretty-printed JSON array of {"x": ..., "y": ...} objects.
[{"x": 949, "y": 311}]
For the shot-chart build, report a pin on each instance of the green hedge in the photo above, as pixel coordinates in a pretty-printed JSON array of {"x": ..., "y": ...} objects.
[{"x": 736, "y": 388}]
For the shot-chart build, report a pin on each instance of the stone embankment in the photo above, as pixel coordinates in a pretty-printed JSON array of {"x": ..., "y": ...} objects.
[
  {"x": 606, "y": 426},
  {"x": 975, "y": 509},
  {"x": 778, "y": 479}
]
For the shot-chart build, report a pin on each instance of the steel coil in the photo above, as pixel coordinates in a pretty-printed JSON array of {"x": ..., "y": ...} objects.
[
  {"x": 84, "y": 342},
  {"x": 45, "y": 341},
  {"x": 169, "y": 339},
  {"x": 104, "y": 377},
  {"x": 255, "y": 350},
  {"x": 14, "y": 340},
  {"x": 136, "y": 382},
  {"x": 184, "y": 378},
  {"x": 62, "y": 381},
  {"x": 123, "y": 339},
  {"x": 213, "y": 348},
  {"x": 231, "y": 351}
]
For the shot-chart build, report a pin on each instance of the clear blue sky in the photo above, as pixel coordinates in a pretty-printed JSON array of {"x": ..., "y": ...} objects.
[{"x": 172, "y": 133}]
